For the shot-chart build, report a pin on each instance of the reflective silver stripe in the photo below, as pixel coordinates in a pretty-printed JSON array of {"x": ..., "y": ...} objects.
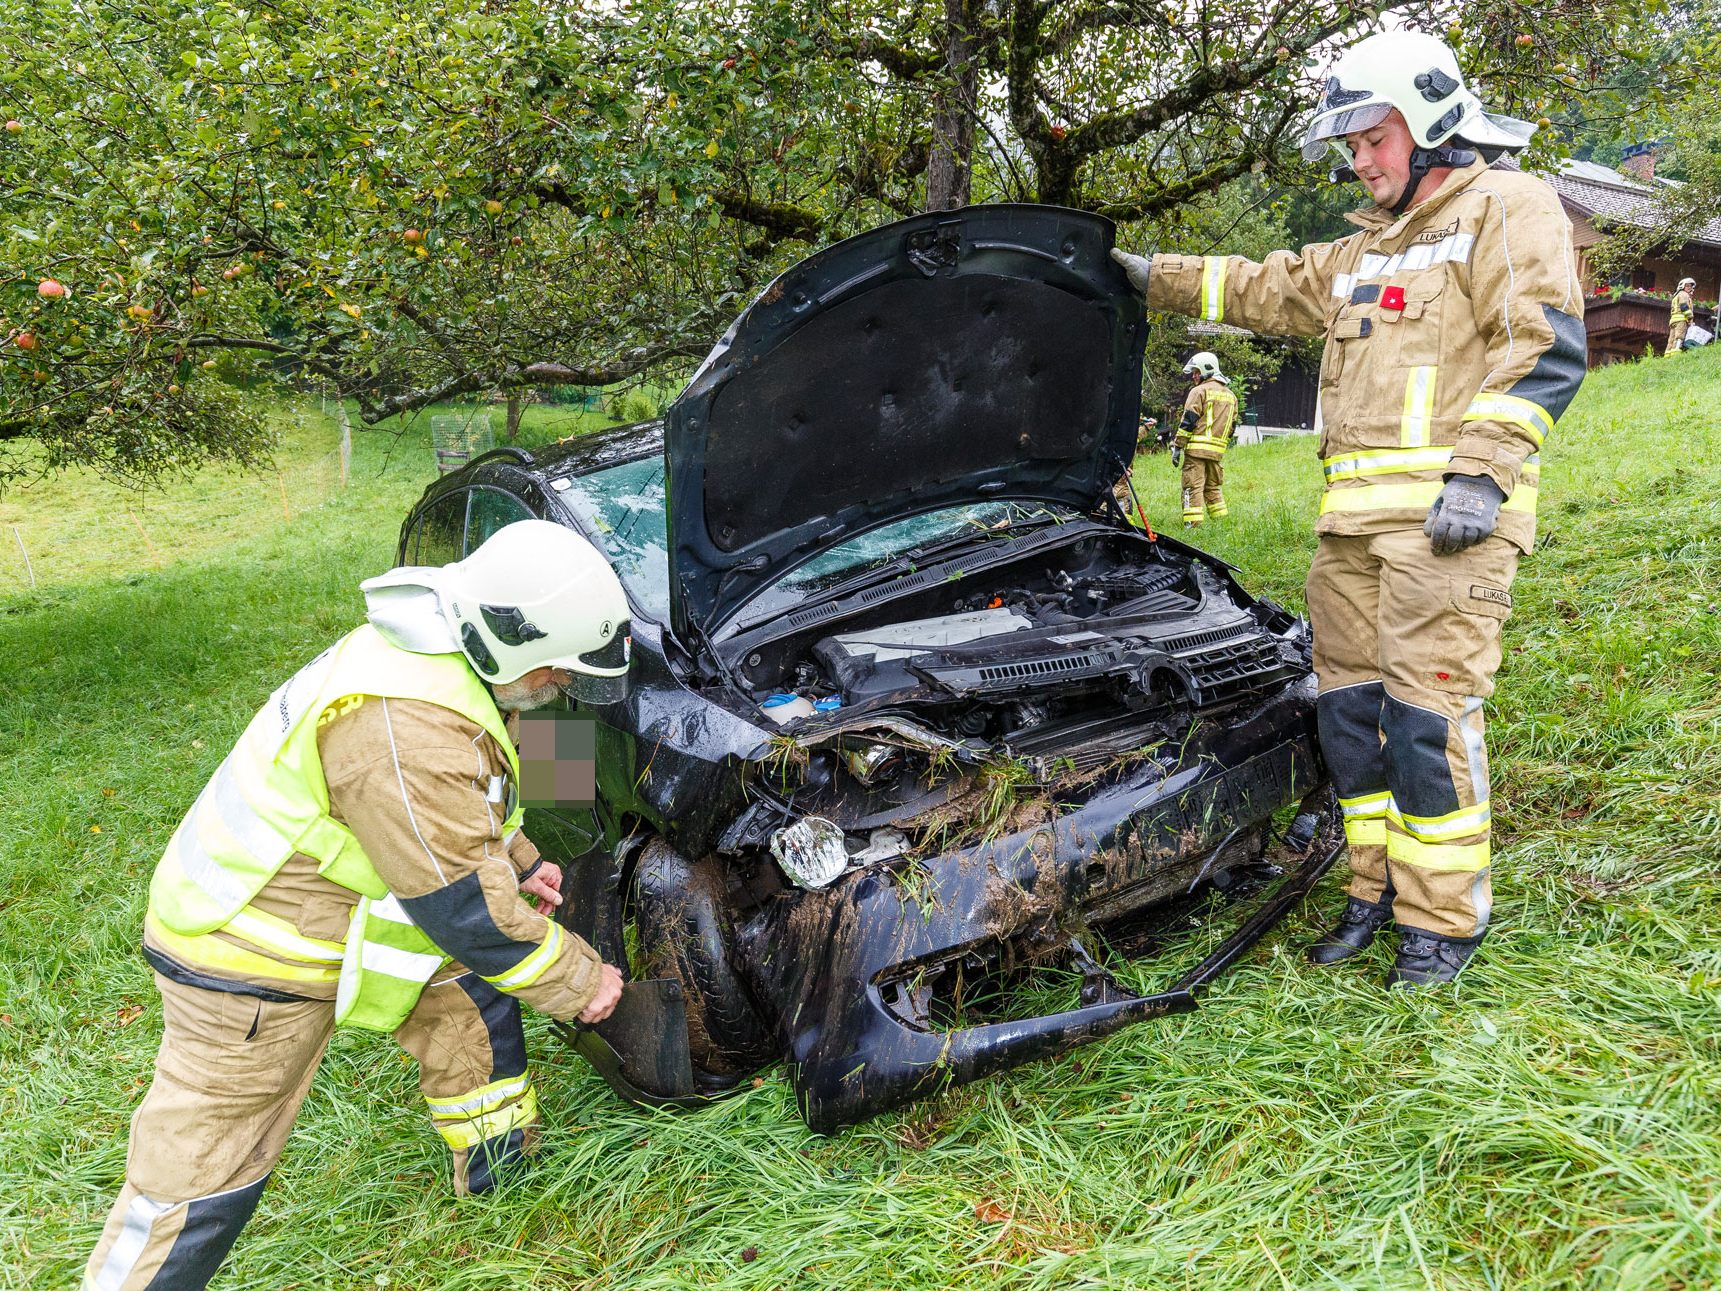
[
  {"x": 1455, "y": 249},
  {"x": 128, "y": 1247},
  {"x": 1386, "y": 461},
  {"x": 251, "y": 925},
  {"x": 389, "y": 910},
  {"x": 1475, "y": 749},
  {"x": 1213, "y": 269},
  {"x": 204, "y": 871},
  {"x": 262, "y": 840},
  {"x": 408, "y": 965},
  {"x": 487, "y": 1099},
  {"x": 1418, "y": 408},
  {"x": 1373, "y": 804}
]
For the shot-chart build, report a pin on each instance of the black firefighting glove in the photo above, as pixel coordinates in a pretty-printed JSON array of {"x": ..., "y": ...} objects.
[
  {"x": 1136, "y": 267},
  {"x": 1176, "y": 455},
  {"x": 1466, "y": 512}
]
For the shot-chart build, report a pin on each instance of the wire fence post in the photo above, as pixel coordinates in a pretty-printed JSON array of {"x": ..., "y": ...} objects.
[
  {"x": 346, "y": 437},
  {"x": 31, "y": 569}
]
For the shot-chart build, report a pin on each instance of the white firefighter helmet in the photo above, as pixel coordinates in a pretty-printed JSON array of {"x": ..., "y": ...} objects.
[
  {"x": 1418, "y": 75},
  {"x": 1688, "y": 282},
  {"x": 533, "y": 595},
  {"x": 1205, "y": 364}
]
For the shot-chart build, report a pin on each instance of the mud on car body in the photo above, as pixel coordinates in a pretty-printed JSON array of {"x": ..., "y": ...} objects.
[{"x": 914, "y": 707}]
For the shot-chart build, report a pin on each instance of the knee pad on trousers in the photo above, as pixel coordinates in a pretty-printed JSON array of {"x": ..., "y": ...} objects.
[
  {"x": 1418, "y": 770},
  {"x": 1350, "y": 721}
]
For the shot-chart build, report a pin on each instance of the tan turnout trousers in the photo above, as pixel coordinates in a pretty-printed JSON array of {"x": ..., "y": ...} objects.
[
  {"x": 1406, "y": 646},
  {"x": 229, "y": 1078},
  {"x": 1203, "y": 489}
]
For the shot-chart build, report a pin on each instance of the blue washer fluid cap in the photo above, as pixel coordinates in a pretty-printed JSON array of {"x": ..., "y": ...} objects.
[
  {"x": 771, "y": 701},
  {"x": 826, "y": 705}
]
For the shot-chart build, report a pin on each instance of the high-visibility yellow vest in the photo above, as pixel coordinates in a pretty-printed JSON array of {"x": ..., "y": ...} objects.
[
  {"x": 1684, "y": 308},
  {"x": 268, "y": 800}
]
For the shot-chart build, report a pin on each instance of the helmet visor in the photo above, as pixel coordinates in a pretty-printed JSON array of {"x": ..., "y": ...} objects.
[
  {"x": 1336, "y": 125},
  {"x": 585, "y": 688}
]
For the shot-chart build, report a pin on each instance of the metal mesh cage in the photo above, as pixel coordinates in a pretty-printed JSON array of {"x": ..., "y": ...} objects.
[{"x": 458, "y": 438}]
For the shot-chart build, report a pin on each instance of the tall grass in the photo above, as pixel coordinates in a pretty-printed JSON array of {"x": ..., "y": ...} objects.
[{"x": 1552, "y": 1123}]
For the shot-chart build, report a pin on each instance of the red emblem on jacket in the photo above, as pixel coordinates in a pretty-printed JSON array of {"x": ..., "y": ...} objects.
[{"x": 1392, "y": 298}]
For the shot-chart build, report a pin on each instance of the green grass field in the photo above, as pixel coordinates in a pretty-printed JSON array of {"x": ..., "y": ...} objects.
[{"x": 1556, "y": 1122}]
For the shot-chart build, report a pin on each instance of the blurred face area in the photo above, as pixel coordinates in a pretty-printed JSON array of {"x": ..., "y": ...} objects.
[
  {"x": 1381, "y": 158},
  {"x": 537, "y": 689}
]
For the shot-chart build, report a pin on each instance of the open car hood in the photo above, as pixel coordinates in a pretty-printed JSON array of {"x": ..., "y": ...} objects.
[{"x": 990, "y": 352}]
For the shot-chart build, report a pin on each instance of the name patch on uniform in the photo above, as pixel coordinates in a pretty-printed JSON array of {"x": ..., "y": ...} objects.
[
  {"x": 1493, "y": 594},
  {"x": 1435, "y": 235}
]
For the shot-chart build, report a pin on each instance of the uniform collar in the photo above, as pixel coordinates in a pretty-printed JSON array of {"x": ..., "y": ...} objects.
[{"x": 1379, "y": 218}]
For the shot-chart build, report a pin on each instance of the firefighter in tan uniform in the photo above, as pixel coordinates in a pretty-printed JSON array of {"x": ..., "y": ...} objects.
[
  {"x": 1203, "y": 435},
  {"x": 1453, "y": 322},
  {"x": 356, "y": 859},
  {"x": 1679, "y": 317}
]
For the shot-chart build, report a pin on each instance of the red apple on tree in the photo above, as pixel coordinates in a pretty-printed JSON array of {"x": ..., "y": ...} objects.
[
  {"x": 48, "y": 289},
  {"x": 14, "y": 127},
  {"x": 25, "y": 340}
]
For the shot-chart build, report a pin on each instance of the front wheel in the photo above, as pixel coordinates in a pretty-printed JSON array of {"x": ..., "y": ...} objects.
[{"x": 682, "y": 916}]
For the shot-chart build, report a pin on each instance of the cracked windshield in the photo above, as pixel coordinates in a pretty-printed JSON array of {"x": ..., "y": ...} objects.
[{"x": 625, "y": 506}]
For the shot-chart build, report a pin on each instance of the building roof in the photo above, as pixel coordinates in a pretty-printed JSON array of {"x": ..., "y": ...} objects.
[{"x": 1600, "y": 191}]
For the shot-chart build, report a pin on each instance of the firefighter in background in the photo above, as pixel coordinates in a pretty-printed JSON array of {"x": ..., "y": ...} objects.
[
  {"x": 357, "y": 860},
  {"x": 1679, "y": 318},
  {"x": 1454, "y": 340},
  {"x": 1209, "y": 414}
]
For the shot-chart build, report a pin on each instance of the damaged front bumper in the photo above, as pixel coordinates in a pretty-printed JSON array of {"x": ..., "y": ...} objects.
[{"x": 843, "y": 968}]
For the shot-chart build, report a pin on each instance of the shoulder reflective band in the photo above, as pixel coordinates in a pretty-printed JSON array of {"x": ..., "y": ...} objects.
[
  {"x": 1213, "y": 288},
  {"x": 1418, "y": 408},
  {"x": 1528, "y": 416}
]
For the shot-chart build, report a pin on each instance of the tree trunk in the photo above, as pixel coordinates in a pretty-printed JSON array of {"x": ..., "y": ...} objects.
[
  {"x": 950, "y": 172},
  {"x": 516, "y": 406}
]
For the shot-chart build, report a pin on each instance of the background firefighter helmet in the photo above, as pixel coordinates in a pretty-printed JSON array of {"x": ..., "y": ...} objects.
[
  {"x": 1205, "y": 364},
  {"x": 1688, "y": 282},
  {"x": 1418, "y": 75},
  {"x": 534, "y": 595}
]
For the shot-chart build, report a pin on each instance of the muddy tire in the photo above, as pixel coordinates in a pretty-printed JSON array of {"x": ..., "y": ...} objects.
[{"x": 681, "y": 912}]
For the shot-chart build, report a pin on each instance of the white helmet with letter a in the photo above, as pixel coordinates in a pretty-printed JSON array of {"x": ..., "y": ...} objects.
[
  {"x": 534, "y": 595},
  {"x": 1418, "y": 75},
  {"x": 1204, "y": 364}
]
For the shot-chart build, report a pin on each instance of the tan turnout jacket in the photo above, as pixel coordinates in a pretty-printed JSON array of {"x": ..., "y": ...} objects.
[
  {"x": 1454, "y": 341},
  {"x": 1215, "y": 409},
  {"x": 410, "y": 779}
]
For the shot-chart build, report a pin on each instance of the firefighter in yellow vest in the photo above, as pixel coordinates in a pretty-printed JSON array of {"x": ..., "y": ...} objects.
[
  {"x": 1203, "y": 435},
  {"x": 357, "y": 859},
  {"x": 1454, "y": 340},
  {"x": 1679, "y": 318}
]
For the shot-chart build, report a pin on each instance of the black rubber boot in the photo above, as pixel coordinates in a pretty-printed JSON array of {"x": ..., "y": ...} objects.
[
  {"x": 1427, "y": 960},
  {"x": 1352, "y": 933}
]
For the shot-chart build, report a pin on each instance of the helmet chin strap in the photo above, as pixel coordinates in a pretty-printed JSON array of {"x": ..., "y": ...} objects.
[{"x": 1423, "y": 160}]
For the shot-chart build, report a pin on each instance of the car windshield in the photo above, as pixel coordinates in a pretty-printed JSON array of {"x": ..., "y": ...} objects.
[
  {"x": 623, "y": 508},
  {"x": 878, "y": 547}
]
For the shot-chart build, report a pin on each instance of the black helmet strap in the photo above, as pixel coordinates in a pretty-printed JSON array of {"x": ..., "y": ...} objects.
[{"x": 1423, "y": 160}]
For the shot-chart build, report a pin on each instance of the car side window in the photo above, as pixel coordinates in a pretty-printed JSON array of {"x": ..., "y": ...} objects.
[
  {"x": 437, "y": 536},
  {"x": 490, "y": 510}
]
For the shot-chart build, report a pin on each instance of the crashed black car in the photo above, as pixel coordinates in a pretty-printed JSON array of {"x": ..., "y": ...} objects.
[{"x": 914, "y": 708}]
